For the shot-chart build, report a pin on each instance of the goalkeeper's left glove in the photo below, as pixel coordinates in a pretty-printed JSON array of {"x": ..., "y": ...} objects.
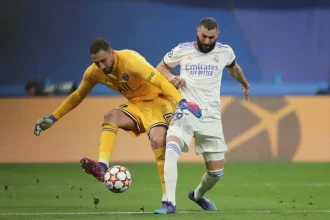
[
  {"x": 187, "y": 107},
  {"x": 43, "y": 124}
]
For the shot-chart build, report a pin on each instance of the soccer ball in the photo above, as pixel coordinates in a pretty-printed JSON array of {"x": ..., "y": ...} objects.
[{"x": 117, "y": 179}]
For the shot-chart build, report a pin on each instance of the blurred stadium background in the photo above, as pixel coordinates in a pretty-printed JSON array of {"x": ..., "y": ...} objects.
[
  {"x": 282, "y": 45},
  {"x": 284, "y": 49}
]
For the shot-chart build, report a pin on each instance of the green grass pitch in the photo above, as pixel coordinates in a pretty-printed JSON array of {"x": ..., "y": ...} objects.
[{"x": 247, "y": 191}]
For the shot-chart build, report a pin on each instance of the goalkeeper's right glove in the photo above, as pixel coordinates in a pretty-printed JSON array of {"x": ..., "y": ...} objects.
[
  {"x": 189, "y": 107},
  {"x": 43, "y": 124}
]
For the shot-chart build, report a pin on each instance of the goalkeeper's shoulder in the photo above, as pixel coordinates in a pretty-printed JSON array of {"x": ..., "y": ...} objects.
[{"x": 91, "y": 72}]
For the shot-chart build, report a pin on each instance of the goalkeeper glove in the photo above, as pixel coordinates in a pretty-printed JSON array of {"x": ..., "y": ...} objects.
[
  {"x": 43, "y": 124},
  {"x": 187, "y": 107}
]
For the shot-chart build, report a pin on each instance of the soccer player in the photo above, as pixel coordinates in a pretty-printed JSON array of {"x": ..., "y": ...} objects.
[
  {"x": 151, "y": 101},
  {"x": 202, "y": 63}
]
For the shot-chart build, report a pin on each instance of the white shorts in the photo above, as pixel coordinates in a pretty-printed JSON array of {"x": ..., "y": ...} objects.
[{"x": 206, "y": 130}]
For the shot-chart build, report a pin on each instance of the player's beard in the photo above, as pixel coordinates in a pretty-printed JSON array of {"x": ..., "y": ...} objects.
[
  {"x": 107, "y": 70},
  {"x": 205, "y": 49}
]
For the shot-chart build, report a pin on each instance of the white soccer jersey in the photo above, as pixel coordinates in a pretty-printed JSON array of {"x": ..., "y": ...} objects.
[{"x": 201, "y": 71}]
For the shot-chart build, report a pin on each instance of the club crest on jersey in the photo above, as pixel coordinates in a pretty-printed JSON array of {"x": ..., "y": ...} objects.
[
  {"x": 216, "y": 59},
  {"x": 125, "y": 76}
]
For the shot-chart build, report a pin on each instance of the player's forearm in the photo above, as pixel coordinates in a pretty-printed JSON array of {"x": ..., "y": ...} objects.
[
  {"x": 237, "y": 73},
  {"x": 167, "y": 87},
  {"x": 158, "y": 79},
  {"x": 69, "y": 104},
  {"x": 164, "y": 71},
  {"x": 170, "y": 90}
]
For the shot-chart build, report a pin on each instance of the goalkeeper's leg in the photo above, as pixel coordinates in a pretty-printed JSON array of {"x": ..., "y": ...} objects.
[
  {"x": 113, "y": 120},
  {"x": 157, "y": 137}
]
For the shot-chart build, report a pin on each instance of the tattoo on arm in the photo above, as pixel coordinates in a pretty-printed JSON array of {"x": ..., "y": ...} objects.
[{"x": 237, "y": 73}]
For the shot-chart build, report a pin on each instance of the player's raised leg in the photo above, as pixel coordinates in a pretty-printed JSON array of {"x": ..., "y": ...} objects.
[
  {"x": 214, "y": 163},
  {"x": 113, "y": 120}
]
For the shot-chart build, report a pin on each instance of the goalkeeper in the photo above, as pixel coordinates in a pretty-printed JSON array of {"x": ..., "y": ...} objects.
[{"x": 151, "y": 101}]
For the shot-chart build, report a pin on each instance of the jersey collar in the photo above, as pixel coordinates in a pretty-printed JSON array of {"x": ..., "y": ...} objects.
[
  {"x": 196, "y": 47},
  {"x": 115, "y": 65}
]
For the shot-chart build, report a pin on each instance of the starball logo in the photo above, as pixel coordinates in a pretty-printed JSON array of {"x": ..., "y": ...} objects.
[{"x": 201, "y": 70}]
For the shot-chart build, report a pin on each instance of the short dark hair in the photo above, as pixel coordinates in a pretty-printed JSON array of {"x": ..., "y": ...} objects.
[
  {"x": 209, "y": 23},
  {"x": 99, "y": 44}
]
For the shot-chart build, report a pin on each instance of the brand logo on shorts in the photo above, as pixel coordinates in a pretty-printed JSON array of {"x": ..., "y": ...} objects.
[
  {"x": 125, "y": 76},
  {"x": 177, "y": 115}
]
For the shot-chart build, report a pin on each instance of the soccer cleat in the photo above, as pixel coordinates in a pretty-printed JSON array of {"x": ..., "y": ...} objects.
[
  {"x": 203, "y": 202},
  {"x": 168, "y": 208},
  {"x": 164, "y": 204},
  {"x": 93, "y": 168}
]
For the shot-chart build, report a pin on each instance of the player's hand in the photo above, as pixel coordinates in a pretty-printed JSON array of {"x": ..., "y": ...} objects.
[
  {"x": 177, "y": 81},
  {"x": 43, "y": 124},
  {"x": 187, "y": 107},
  {"x": 246, "y": 90}
]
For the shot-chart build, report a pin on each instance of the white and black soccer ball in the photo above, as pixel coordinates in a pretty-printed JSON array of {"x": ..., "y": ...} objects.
[{"x": 117, "y": 179}]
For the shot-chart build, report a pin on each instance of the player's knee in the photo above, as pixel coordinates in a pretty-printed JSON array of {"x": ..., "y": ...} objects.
[
  {"x": 218, "y": 174},
  {"x": 157, "y": 141},
  {"x": 110, "y": 117},
  {"x": 157, "y": 137}
]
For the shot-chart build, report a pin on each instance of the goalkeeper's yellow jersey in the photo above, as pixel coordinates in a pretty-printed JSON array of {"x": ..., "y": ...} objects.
[{"x": 132, "y": 76}]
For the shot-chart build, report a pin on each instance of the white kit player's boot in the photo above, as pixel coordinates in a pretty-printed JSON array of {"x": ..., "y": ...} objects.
[{"x": 205, "y": 203}]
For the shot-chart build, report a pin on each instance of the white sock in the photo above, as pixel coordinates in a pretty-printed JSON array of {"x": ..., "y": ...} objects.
[
  {"x": 171, "y": 169},
  {"x": 164, "y": 198},
  {"x": 208, "y": 180}
]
